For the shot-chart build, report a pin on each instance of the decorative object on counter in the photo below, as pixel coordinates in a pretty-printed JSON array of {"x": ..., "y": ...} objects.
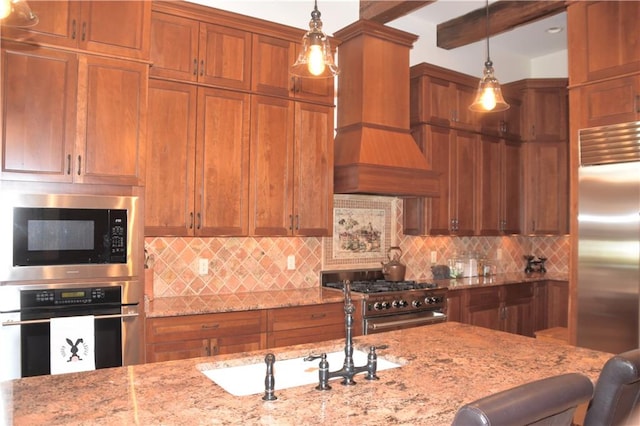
[
  {"x": 394, "y": 270},
  {"x": 269, "y": 379},
  {"x": 440, "y": 272},
  {"x": 316, "y": 59},
  {"x": 534, "y": 265},
  {"x": 489, "y": 95}
]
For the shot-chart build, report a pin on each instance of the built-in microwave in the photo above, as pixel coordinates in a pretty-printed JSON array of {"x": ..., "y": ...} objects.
[{"x": 65, "y": 236}]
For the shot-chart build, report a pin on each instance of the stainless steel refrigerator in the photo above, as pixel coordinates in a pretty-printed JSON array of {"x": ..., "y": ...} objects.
[{"x": 608, "y": 288}]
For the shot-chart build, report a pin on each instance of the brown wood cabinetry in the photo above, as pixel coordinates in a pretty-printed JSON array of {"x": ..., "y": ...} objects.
[
  {"x": 291, "y": 191},
  {"x": 500, "y": 197},
  {"x": 189, "y": 50},
  {"x": 544, "y": 109},
  {"x": 602, "y": 39},
  {"x": 181, "y": 337},
  {"x": 118, "y": 28},
  {"x": 609, "y": 102},
  {"x": 202, "y": 135},
  {"x": 307, "y": 324},
  {"x": 90, "y": 110}
]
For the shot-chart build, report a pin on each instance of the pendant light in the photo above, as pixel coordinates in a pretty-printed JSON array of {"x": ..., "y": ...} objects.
[
  {"x": 16, "y": 13},
  {"x": 315, "y": 60},
  {"x": 488, "y": 96}
]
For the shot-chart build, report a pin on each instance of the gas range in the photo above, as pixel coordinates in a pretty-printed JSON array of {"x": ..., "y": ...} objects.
[{"x": 388, "y": 304}]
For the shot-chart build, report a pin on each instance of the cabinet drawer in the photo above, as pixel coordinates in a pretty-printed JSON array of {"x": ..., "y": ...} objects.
[
  {"x": 307, "y": 316},
  {"x": 515, "y": 292},
  {"x": 483, "y": 297},
  {"x": 204, "y": 326},
  {"x": 306, "y": 335}
]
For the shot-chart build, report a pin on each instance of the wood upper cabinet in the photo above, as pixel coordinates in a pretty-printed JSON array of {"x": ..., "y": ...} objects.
[
  {"x": 608, "y": 102},
  {"x": 291, "y": 162},
  {"x": 442, "y": 97},
  {"x": 454, "y": 154},
  {"x": 90, "y": 110},
  {"x": 190, "y": 336},
  {"x": 500, "y": 187},
  {"x": 200, "y": 136},
  {"x": 118, "y": 28},
  {"x": 546, "y": 188},
  {"x": 504, "y": 124},
  {"x": 602, "y": 39},
  {"x": 189, "y": 50},
  {"x": 272, "y": 57},
  {"x": 545, "y": 110}
]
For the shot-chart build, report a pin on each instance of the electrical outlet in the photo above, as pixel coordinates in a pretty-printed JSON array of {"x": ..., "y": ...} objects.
[
  {"x": 499, "y": 254},
  {"x": 203, "y": 266},
  {"x": 291, "y": 262},
  {"x": 434, "y": 256}
]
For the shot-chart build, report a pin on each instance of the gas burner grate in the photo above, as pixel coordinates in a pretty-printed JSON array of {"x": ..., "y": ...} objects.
[{"x": 382, "y": 286}]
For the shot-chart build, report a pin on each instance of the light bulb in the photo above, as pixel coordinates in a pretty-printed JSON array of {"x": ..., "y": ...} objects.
[
  {"x": 488, "y": 99},
  {"x": 5, "y": 8},
  {"x": 316, "y": 60}
]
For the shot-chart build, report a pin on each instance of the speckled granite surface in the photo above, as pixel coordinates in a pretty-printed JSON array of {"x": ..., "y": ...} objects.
[
  {"x": 187, "y": 305},
  {"x": 444, "y": 366}
]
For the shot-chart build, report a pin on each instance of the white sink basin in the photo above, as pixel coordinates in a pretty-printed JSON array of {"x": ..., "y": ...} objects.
[{"x": 249, "y": 379}]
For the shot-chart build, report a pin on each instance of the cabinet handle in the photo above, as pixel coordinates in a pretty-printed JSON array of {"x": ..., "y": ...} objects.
[
  {"x": 84, "y": 31},
  {"x": 290, "y": 222},
  {"x": 207, "y": 350},
  {"x": 79, "y": 164},
  {"x": 73, "y": 29},
  {"x": 297, "y": 222},
  {"x": 195, "y": 66},
  {"x": 533, "y": 130},
  {"x": 190, "y": 220},
  {"x": 202, "y": 67},
  {"x": 68, "y": 164},
  {"x": 318, "y": 316},
  {"x": 638, "y": 103},
  {"x": 293, "y": 85},
  {"x": 210, "y": 326},
  {"x": 199, "y": 221}
]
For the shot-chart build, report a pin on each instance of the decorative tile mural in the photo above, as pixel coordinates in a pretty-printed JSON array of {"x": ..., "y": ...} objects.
[{"x": 260, "y": 264}]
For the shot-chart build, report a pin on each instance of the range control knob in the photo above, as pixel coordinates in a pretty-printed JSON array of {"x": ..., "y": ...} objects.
[
  {"x": 377, "y": 306},
  {"x": 416, "y": 303},
  {"x": 432, "y": 300},
  {"x": 399, "y": 303},
  {"x": 386, "y": 305}
]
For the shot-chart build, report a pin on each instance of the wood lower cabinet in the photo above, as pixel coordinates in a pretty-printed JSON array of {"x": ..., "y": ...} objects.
[
  {"x": 200, "y": 137},
  {"x": 118, "y": 28},
  {"x": 509, "y": 308},
  {"x": 172, "y": 338},
  {"x": 72, "y": 118},
  {"x": 291, "y": 161},
  {"x": 308, "y": 324}
]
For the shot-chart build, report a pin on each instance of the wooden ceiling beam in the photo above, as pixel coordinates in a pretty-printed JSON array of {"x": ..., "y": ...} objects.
[
  {"x": 386, "y": 11},
  {"x": 504, "y": 15}
]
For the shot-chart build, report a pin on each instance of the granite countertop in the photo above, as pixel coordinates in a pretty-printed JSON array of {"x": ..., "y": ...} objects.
[
  {"x": 190, "y": 305},
  {"x": 443, "y": 366}
]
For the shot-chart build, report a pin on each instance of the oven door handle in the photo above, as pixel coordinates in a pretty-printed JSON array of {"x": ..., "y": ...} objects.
[
  {"x": 40, "y": 321},
  {"x": 379, "y": 326}
]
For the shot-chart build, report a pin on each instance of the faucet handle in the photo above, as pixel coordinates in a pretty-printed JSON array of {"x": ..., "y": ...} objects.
[{"x": 311, "y": 357}]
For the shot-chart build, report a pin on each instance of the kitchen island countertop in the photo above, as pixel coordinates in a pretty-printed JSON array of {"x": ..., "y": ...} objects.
[
  {"x": 443, "y": 366},
  {"x": 192, "y": 305}
]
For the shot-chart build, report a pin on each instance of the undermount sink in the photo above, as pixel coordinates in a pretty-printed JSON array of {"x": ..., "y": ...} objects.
[{"x": 249, "y": 379}]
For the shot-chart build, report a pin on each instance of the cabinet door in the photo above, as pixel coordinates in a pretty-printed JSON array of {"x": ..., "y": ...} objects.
[
  {"x": 171, "y": 351},
  {"x": 519, "y": 309},
  {"x": 169, "y": 202},
  {"x": 438, "y": 148},
  {"x": 112, "y": 108},
  {"x": 610, "y": 102},
  {"x": 465, "y": 165},
  {"x": 463, "y": 96},
  {"x": 222, "y": 163},
  {"x": 271, "y": 153},
  {"x": 546, "y": 183},
  {"x": 271, "y": 59},
  {"x": 174, "y": 47},
  {"x": 115, "y": 27},
  {"x": 512, "y": 187},
  {"x": 557, "y": 303},
  {"x": 454, "y": 306},
  {"x": 604, "y": 34},
  {"x": 313, "y": 168},
  {"x": 225, "y": 56},
  {"x": 38, "y": 113},
  {"x": 546, "y": 114},
  {"x": 491, "y": 181}
]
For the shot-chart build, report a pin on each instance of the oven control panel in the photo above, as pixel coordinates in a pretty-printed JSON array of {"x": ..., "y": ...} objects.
[
  {"x": 70, "y": 296},
  {"x": 410, "y": 301}
]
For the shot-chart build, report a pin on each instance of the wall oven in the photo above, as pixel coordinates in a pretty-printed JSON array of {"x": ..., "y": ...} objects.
[
  {"x": 26, "y": 312},
  {"x": 68, "y": 236}
]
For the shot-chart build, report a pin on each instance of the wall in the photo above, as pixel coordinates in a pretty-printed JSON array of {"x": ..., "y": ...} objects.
[{"x": 260, "y": 264}]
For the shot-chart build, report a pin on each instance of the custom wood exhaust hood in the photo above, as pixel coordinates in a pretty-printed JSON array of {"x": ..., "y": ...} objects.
[{"x": 374, "y": 150}]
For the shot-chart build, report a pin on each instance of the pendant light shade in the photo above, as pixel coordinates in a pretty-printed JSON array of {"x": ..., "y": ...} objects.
[
  {"x": 315, "y": 60},
  {"x": 489, "y": 95},
  {"x": 16, "y": 13}
]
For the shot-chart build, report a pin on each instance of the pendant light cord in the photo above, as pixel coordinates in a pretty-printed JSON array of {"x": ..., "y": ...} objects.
[{"x": 488, "y": 62}]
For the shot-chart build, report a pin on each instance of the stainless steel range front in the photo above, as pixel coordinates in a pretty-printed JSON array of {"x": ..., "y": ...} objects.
[{"x": 390, "y": 305}]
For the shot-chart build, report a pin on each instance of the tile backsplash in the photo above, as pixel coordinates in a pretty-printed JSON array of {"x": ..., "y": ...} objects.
[{"x": 242, "y": 264}]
